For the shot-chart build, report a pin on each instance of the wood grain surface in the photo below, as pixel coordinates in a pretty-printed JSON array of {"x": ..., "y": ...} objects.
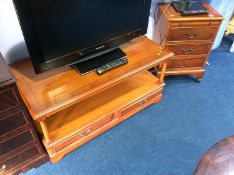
[
  {"x": 52, "y": 91},
  {"x": 172, "y": 15}
]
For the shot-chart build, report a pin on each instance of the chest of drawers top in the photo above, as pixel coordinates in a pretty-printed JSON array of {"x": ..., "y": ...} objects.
[{"x": 173, "y": 16}]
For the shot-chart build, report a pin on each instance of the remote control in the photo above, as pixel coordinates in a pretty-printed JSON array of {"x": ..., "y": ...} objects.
[
  {"x": 111, "y": 65},
  {"x": 194, "y": 12}
]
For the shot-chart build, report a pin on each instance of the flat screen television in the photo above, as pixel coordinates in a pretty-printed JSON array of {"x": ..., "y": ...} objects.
[{"x": 62, "y": 32}]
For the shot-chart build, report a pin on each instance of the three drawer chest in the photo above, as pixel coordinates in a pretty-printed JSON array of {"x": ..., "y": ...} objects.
[{"x": 190, "y": 38}]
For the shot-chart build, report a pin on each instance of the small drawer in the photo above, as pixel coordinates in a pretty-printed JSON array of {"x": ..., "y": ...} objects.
[
  {"x": 142, "y": 103},
  {"x": 18, "y": 159},
  {"x": 16, "y": 142},
  {"x": 195, "y": 24},
  {"x": 12, "y": 122},
  {"x": 8, "y": 99},
  {"x": 96, "y": 126},
  {"x": 189, "y": 48},
  {"x": 85, "y": 132},
  {"x": 133, "y": 107},
  {"x": 191, "y": 33},
  {"x": 185, "y": 62}
]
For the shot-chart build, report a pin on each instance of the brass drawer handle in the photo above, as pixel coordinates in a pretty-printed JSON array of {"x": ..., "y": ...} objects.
[
  {"x": 85, "y": 133},
  {"x": 88, "y": 131},
  {"x": 189, "y": 50},
  {"x": 191, "y": 35},
  {"x": 3, "y": 169},
  {"x": 82, "y": 135},
  {"x": 183, "y": 63},
  {"x": 211, "y": 23},
  {"x": 142, "y": 102}
]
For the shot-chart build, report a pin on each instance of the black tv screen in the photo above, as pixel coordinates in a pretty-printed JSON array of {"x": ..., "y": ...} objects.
[{"x": 60, "y": 32}]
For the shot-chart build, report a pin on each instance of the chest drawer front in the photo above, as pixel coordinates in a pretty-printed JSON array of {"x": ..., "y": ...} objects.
[
  {"x": 12, "y": 122},
  {"x": 185, "y": 62},
  {"x": 15, "y": 142},
  {"x": 191, "y": 33},
  {"x": 195, "y": 23},
  {"x": 190, "y": 49},
  {"x": 8, "y": 99},
  {"x": 19, "y": 159},
  {"x": 96, "y": 126}
]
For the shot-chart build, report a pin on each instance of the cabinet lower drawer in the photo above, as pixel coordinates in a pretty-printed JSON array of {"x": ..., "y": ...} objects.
[
  {"x": 190, "y": 48},
  {"x": 185, "y": 62},
  {"x": 85, "y": 132},
  {"x": 12, "y": 122},
  {"x": 110, "y": 121},
  {"x": 19, "y": 159},
  {"x": 15, "y": 142},
  {"x": 135, "y": 107}
]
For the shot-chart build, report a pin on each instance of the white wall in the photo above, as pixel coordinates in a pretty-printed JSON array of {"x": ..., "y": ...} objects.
[
  {"x": 12, "y": 43},
  {"x": 225, "y": 8},
  {"x": 151, "y": 26}
]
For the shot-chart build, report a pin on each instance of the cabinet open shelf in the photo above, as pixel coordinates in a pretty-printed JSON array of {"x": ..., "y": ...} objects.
[{"x": 85, "y": 113}]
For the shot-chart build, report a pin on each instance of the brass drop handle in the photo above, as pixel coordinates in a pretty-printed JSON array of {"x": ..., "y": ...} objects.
[
  {"x": 142, "y": 102},
  {"x": 87, "y": 132},
  {"x": 191, "y": 49},
  {"x": 184, "y": 50},
  {"x": 3, "y": 169},
  {"x": 191, "y": 35},
  {"x": 183, "y": 63},
  {"x": 82, "y": 134}
]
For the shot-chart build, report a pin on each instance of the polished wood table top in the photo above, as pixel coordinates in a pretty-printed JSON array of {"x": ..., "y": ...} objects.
[
  {"x": 52, "y": 91},
  {"x": 219, "y": 159}
]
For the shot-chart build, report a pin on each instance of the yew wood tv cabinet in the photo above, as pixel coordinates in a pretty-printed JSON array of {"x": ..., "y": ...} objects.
[{"x": 71, "y": 109}]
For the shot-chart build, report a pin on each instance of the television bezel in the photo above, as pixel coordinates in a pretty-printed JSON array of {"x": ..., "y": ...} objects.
[{"x": 36, "y": 53}]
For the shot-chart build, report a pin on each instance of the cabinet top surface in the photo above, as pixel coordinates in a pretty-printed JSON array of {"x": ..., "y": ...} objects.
[
  {"x": 5, "y": 75},
  {"x": 57, "y": 89},
  {"x": 172, "y": 15}
]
